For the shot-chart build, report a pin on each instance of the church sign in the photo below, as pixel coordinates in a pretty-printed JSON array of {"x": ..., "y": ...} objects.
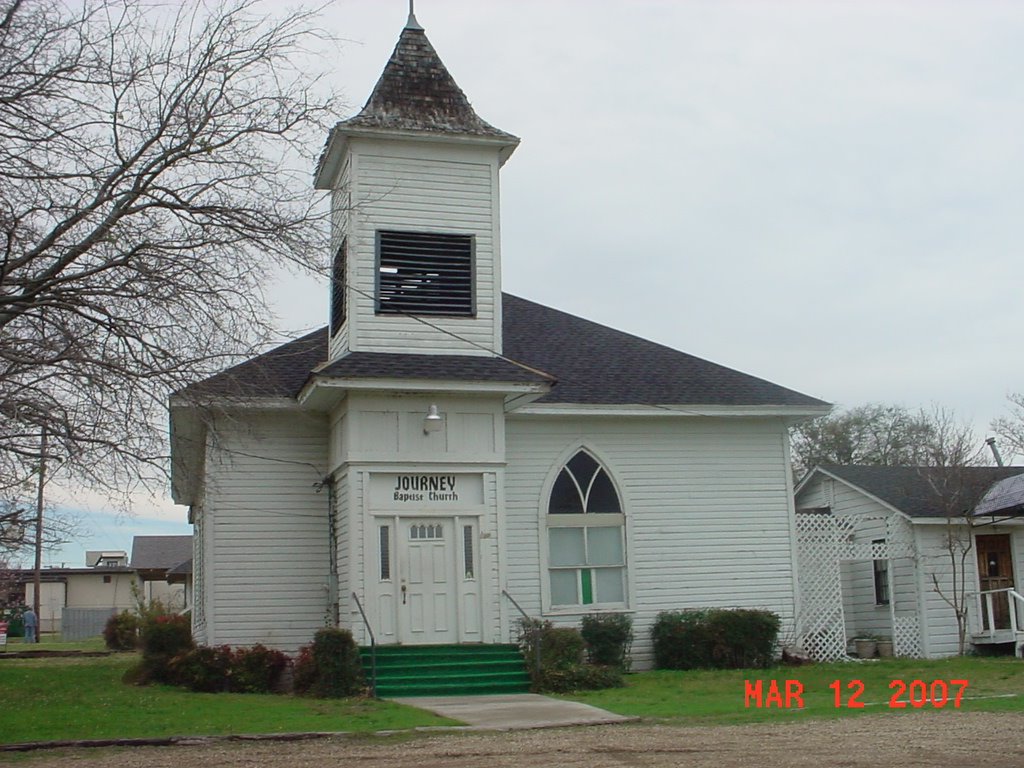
[{"x": 426, "y": 490}]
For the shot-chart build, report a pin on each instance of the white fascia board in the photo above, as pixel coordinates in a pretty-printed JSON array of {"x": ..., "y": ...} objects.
[
  {"x": 419, "y": 385},
  {"x": 226, "y": 402},
  {"x": 337, "y": 145},
  {"x": 673, "y": 411}
]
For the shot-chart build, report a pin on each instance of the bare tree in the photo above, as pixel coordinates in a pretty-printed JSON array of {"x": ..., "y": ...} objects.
[
  {"x": 956, "y": 482},
  {"x": 154, "y": 169},
  {"x": 875, "y": 434},
  {"x": 1011, "y": 428}
]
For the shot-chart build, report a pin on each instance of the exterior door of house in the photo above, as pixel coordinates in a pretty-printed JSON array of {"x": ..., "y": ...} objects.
[
  {"x": 427, "y": 590},
  {"x": 995, "y": 571}
]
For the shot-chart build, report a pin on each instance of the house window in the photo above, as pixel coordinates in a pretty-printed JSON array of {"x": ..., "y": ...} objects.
[
  {"x": 338, "y": 289},
  {"x": 586, "y": 537},
  {"x": 881, "y": 574},
  {"x": 106, "y": 579},
  {"x": 424, "y": 273}
]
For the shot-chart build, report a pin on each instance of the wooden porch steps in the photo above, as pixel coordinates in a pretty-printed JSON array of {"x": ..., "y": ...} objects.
[{"x": 447, "y": 670}]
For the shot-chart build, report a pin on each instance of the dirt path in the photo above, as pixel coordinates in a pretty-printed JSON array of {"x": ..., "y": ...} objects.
[{"x": 940, "y": 739}]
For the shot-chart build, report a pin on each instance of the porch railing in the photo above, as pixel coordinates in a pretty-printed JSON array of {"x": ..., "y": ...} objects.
[
  {"x": 987, "y": 602},
  {"x": 531, "y": 626},
  {"x": 373, "y": 647}
]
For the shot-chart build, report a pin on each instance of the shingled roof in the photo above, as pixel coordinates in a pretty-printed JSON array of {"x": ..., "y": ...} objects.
[
  {"x": 151, "y": 553},
  {"x": 417, "y": 93},
  {"x": 591, "y": 363},
  {"x": 917, "y": 491}
]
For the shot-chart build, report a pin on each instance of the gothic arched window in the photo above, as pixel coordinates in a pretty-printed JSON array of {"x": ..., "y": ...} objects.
[{"x": 586, "y": 537}]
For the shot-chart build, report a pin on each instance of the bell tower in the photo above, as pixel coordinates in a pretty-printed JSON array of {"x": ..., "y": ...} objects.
[{"x": 415, "y": 221}]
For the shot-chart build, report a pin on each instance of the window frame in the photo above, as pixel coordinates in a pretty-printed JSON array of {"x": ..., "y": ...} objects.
[
  {"x": 382, "y": 311},
  {"x": 339, "y": 287},
  {"x": 584, "y": 521},
  {"x": 881, "y": 576}
]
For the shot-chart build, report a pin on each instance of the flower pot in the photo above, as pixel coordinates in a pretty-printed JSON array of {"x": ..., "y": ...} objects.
[
  {"x": 865, "y": 648},
  {"x": 884, "y": 649}
]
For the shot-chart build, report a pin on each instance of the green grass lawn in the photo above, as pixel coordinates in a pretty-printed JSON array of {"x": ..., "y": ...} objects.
[
  {"x": 68, "y": 698},
  {"x": 712, "y": 697}
]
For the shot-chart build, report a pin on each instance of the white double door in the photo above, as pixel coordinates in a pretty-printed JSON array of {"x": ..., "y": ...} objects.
[{"x": 433, "y": 593}]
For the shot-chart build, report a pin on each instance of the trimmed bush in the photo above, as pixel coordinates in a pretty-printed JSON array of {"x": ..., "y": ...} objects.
[
  {"x": 560, "y": 647},
  {"x": 162, "y": 636},
  {"x": 608, "y": 637},
  {"x": 204, "y": 669},
  {"x": 257, "y": 669},
  {"x": 580, "y": 677},
  {"x": 304, "y": 670},
  {"x": 121, "y": 632},
  {"x": 338, "y": 669},
  {"x": 715, "y": 638}
]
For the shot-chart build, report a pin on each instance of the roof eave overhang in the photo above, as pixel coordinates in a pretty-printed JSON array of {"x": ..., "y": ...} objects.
[
  {"x": 324, "y": 392},
  {"x": 333, "y": 156},
  {"x": 788, "y": 412}
]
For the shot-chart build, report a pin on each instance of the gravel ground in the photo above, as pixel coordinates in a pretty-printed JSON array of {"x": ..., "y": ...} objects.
[{"x": 946, "y": 739}]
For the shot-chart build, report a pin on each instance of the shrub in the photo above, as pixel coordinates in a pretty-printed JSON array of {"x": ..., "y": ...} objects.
[
  {"x": 714, "y": 638},
  {"x": 560, "y": 647},
  {"x": 580, "y": 677},
  {"x": 162, "y": 636},
  {"x": 608, "y": 637},
  {"x": 121, "y": 632},
  {"x": 257, "y": 669},
  {"x": 304, "y": 670},
  {"x": 205, "y": 669},
  {"x": 338, "y": 669}
]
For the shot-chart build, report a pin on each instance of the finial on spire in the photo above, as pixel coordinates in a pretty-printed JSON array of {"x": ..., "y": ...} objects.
[{"x": 412, "y": 23}]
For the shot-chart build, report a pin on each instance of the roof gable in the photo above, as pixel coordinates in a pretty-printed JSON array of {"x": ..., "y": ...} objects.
[
  {"x": 160, "y": 552},
  {"x": 918, "y": 491},
  {"x": 591, "y": 363}
]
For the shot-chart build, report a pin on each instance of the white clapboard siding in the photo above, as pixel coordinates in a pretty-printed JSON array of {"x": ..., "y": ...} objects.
[
  {"x": 407, "y": 187},
  {"x": 267, "y": 524},
  {"x": 707, "y": 507},
  {"x": 939, "y": 620}
]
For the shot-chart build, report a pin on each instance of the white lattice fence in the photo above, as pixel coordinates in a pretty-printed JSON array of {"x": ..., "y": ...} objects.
[
  {"x": 906, "y": 636},
  {"x": 824, "y": 541},
  {"x": 822, "y": 627}
]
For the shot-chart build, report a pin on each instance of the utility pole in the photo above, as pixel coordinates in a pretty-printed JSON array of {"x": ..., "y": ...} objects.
[{"x": 37, "y": 574}]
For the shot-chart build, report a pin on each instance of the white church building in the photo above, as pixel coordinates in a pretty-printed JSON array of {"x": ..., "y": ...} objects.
[{"x": 442, "y": 451}]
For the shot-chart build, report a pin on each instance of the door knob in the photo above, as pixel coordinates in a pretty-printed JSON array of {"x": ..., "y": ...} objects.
[{"x": 403, "y": 594}]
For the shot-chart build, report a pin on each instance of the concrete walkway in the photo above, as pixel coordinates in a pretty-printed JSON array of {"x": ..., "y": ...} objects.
[{"x": 514, "y": 711}]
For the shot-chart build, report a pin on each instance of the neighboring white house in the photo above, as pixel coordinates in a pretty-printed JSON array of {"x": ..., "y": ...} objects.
[
  {"x": 442, "y": 448},
  {"x": 875, "y": 556}
]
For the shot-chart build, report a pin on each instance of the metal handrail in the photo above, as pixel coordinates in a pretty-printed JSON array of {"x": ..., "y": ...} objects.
[
  {"x": 530, "y": 621},
  {"x": 373, "y": 647}
]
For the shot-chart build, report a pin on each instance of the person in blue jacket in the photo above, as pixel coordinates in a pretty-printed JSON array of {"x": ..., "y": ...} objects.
[{"x": 31, "y": 625}]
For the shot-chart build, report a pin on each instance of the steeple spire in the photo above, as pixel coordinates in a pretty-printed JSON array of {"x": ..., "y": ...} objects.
[{"x": 412, "y": 23}]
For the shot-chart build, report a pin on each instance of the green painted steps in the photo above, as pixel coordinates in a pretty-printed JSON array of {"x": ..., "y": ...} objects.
[{"x": 447, "y": 670}]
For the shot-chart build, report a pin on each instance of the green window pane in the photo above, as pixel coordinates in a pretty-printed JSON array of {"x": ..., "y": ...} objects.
[
  {"x": 566, "y": 546},
  {"x": 604, "y": 546},
  {"x": 563, "y": 588},
  {"x": 610, "y": 586},
  {"x": 586, "y": 587}
]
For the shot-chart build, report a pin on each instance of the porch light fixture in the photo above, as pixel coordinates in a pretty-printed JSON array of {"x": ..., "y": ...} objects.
[{"x": 433, "y": 421}]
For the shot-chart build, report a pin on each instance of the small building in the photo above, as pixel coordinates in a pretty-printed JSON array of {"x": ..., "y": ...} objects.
[
  {"x": 888, "y": 551},
  {"x": 75, "y": 602},
  {"x": 159, "y": 562},
  {"x": 116, "y": 558},
  {"x": 443, "y": 458}
]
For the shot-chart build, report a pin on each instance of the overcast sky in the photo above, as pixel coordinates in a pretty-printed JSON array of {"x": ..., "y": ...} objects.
[{"x": 828, "y": 195}]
